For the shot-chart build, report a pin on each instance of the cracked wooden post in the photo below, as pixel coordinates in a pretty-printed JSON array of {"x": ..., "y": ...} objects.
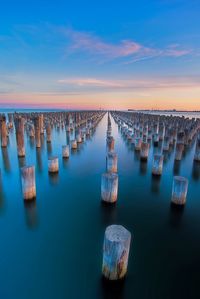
[
  {"x": 109, "y": 187},
  {"x": 48, "y": 132},
  {"x": 53, "y": 165},
  {"x": 157, "y": 166},
  {"x": 28, "y": 182},
  {"x": 116, "y": 248},
  {"x": 144, "y": 152},
  {"x": 19, "y": 127},
  {"x": 4, "y": 138},
  {"x": 65, "y": 151},
  {"x": 111, "y": 162},
  {"x": 179, "y": 190},
  {"x": 31, "y": 131}
]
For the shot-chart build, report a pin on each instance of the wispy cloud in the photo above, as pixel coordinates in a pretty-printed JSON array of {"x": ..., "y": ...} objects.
[
  {"x": 127, "y": 49},
  {"x": 131, "y": 84}
]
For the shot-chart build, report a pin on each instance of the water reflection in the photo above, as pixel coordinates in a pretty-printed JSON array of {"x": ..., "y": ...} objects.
[
  {"x": 176, "y": 168},
  {"x": 175, "y": 215},
  {"x": 39, "y": 159},
  {"x": 143, "y": 167},
  {"x": 1, "y": 193},
  {"x": 109, "y": 213},
  {"x": 155, "y": 184},
  {"x": 6, "y": 160},
  {"x": 112, "y": 289},
  {"x": 49, "y": 148},
  {"x": 196, "y": 170},
  {"x": 21, "y": 161},
  {"x": 53, "y": 178},
  {"x": 31, "y": 215}
]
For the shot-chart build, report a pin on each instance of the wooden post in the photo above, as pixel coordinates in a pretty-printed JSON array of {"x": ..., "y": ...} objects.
[
  {"x": 65, "y": 151},
  {"x": 179, "y": 190},
  {"x": 74, "y": 144},
  {"x": 116, "y": 248},
  {"x": 4, "y": 138},
  {"x": 110, "y": 143},
  {"x": 179, "y": 151},
  {"x": 111, "y": 162},
  {"x": 37, "y": 131},
  {"x": 144, "y": 152},
  {"x": 157, "y": 164},
  {"x": 28, "y": 182},
  {"x": 53, "y": 165},
  {"x": 19, "y": 127},
  {"x": 138, "y": 143},
  {"x": 197, "y": 150},
  {"x": 48, "y": 132},
  {"x": 109, "y": 187}
]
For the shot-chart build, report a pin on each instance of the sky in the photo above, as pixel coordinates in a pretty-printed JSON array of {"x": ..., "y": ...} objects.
[{"x": 100, "y": 54}]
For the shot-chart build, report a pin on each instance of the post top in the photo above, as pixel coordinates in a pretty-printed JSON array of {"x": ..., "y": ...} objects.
[{"x": 117, "y": 233}]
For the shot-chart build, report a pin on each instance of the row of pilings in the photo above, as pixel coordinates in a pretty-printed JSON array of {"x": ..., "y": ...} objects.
[
  {"x": 40, "y": 125},
  {"x": 142, "y": 130}
]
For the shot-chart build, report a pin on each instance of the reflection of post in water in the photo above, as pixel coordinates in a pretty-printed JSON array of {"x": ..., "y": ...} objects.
[
  {"x": 143, "y": 167},
  {"x": 196, "y": 170},
  {"x": 176, "y": 214},
  {"x": 53, "y": 178},
  {"x": 68, "y": 138},
  {"x": 49, "y": 148},
  {"x": 112, "y": 289},
  {"x": 21, "y": 162},
  {"x": 176, "y": 169},
  {"x": 6, "y": 160},
  {"x": 39, "y": 159},
  {"x": 155, "y": 184},
  {"x": 32, "y": 142},
  {"x": 109, "y": 213},
  {"x": 31, "y": 216},
  {"x": 1, "y": 193}
]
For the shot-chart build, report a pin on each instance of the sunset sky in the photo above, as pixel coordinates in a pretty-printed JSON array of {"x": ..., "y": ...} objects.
[{"x": 100, "y": 54}]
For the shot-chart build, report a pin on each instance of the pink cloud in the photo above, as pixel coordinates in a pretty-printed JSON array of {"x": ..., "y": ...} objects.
[{"x": 127, "y": 48}]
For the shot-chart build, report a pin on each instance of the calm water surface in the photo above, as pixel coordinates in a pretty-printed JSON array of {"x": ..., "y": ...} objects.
[{"x": 52, "y": 248}]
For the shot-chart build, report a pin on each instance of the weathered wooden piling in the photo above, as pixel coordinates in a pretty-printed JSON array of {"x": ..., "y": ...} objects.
[
  {"x": 4, "y": 138},
  {"x": 111, "y": 162},
  {"x": 74, "y": 144},
  {"x": 157, "y": 166},
  {"x": 37, "y": 131},
  {"x": 53, "y": 165},
  {"x": 179, "y": 190},
  {"x": 109, "y": 187},
  {"x": 138, "y": 143},
  {"x": 144, "y": 152},
  {"x": 31, "y": 131},
  {"x": 110, "y": 143},
  {"x": 65, "y": 151},
  {"x": 19, "y": 127},
  {"x": 28, "y": 182},
  {"x": 179, "y": 151},
  {"x": 116, "y": 248},
  {"x": 48, "y": 132},
  {"x": 197, "y": 149}
]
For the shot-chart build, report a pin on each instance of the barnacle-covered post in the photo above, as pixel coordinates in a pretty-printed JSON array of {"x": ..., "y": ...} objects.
[
  {"x": 4, "y": 138},
  {"x": 116, "y": 248},
  {"x": 157, "y": 166},
  {"x": 19, "y": 127},
  {"x": 28, "y": 182},
  {"x": 74, "y": 144},
  {"x": 179, "y": 190},
  {"x": 111, "y": 162},
  {"x": 109, "y": 187}
]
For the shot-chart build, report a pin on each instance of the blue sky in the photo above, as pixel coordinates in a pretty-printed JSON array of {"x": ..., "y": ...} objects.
[{"x": 131, "y": 51}]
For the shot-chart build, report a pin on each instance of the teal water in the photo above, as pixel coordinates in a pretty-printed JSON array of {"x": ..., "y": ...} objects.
[{"x": 52, "y": 248}]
